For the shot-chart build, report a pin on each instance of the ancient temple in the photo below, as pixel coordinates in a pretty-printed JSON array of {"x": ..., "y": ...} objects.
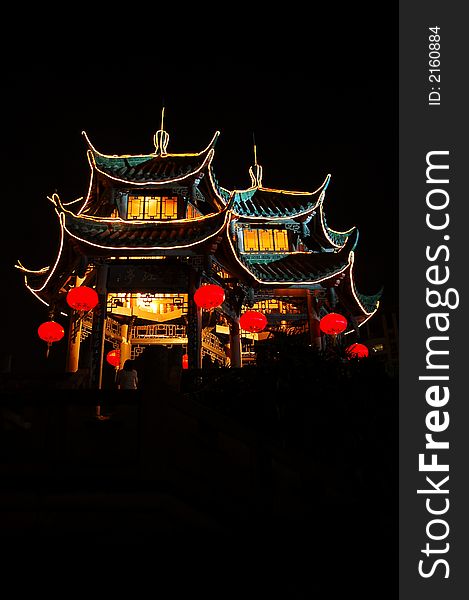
[{"x": 154, "y": 228}]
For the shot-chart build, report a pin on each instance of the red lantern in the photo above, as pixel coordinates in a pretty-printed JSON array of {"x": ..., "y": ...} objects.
[
  {"x": 209, "y": 296},
  {"x": 113, "y": 357},
  {"x": 82, "y": 298},
  {"x": 185, "y": 361},
  {"x": 50, "y": 332},
  {"x": 253, "y": 321},
  {"x": 333, "y": 324},
  {"x": 356, "y": 351}
]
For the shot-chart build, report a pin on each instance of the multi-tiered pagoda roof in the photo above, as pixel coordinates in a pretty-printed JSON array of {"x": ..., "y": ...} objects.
[{"x": 207, "y": 219}]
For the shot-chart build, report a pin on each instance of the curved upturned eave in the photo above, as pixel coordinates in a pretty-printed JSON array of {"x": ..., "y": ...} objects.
[
  {"x": 337, "y": 239},
  {"x": 33, "y": 282},
  {"x": 362, "y": 306},
  {"x": 270, "y": 200},
  {"x": 370, "y": 302},
  {"x": 41, "y": 282},
  {"x": 224, "y": 193},
  {"x": 339, "y": 262},
  {"x": 367, "y": 304}
]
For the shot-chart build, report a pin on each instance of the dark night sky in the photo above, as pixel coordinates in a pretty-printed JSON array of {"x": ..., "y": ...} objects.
[{"x": 317, "y": 104}]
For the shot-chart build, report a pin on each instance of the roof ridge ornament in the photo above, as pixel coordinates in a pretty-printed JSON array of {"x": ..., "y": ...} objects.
[
  {"x": 161, "y": 138},
  {"x": 256, "y": 178}
]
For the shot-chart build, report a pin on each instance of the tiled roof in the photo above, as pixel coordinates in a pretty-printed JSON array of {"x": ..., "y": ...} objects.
[
  {"x": 146, "y": 169},
  {"x": 262, "y": 202},
  {"x": 265, "y": 203},
  {"x": 300, "y": 267},
  {"x": 159, "y": 167},
  {"x": 110, "y": 234}
]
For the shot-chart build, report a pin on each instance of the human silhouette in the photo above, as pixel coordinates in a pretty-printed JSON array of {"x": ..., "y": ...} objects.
[{"x": 127, "y": 378}]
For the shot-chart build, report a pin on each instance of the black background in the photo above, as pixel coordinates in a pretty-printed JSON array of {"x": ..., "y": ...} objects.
[{"x": 318, "y": 90}]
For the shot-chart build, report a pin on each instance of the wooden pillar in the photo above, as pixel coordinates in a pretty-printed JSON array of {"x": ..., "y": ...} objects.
[
  {"x": 98, "y": 330},
  {"x": 235, "y": 344},
  {"x": 194, "y": 324},
  {"x": 313, "y": 320},
  {"x": 125, "y": 345},
  {"x": 73, "y": 350}
]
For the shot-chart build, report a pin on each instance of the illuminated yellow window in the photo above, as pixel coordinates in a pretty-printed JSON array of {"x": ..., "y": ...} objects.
[
  {"x": 152, "y": 207},
  {"x": 275, "y": 306},
  {"x": 135, "y": 207},
  {"x": 251, "y": 243},
  {"x": 280, "y": 239},
  {"x": 169, "y": 207},
  {"x": 266, "y": 239}
]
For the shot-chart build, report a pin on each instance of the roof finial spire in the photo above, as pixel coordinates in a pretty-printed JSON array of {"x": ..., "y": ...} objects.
[
  {"x": 161, "y": 137},
  {"x": 256, "y": 178}
]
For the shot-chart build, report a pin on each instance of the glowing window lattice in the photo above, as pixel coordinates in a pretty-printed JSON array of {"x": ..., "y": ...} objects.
[
  {"x": 275, "y": 306},
  {"x": 152, "y": 207},
  {"x": 265, "y": 240},
  {"x": 158, "y": 304}
]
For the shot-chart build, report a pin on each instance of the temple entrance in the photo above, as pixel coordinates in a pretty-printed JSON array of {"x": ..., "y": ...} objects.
[{"x": 159, "y": 368}]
